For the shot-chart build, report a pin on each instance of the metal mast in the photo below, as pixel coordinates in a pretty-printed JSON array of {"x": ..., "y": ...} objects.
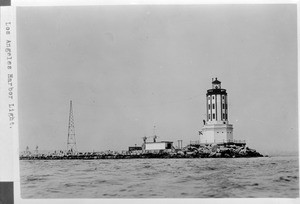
[
  {"x": 154, "y": 135},
  {"x": 71, "y": 144}
]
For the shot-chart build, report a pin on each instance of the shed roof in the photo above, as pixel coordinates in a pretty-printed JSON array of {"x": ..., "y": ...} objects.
[{"x": 159, "y": 142}]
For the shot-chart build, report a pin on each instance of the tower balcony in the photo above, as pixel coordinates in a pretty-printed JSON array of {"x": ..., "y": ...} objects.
[
  {"x": 224, "y": 142},
  {"x": 217, "y": 125},
  {"x": 216, "y": 91}
]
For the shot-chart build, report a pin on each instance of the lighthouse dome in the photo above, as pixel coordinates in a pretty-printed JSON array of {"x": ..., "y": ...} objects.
[
  {"x": 216, "y": 81},
  {"x": 216, "y": 84}
]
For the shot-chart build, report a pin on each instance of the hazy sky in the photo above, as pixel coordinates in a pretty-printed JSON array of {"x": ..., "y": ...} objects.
[{"x": 128, "y": 68}]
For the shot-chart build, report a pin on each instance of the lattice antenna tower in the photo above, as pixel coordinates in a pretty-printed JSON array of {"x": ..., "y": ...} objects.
[{"x": 71, "y": 144}]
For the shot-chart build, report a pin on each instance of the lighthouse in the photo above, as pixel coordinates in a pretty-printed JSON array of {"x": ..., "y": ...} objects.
[{"x": 216, "y": 128}]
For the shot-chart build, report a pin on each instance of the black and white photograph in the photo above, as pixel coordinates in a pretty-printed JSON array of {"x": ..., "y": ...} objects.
[{"x": 158, "y": 101}]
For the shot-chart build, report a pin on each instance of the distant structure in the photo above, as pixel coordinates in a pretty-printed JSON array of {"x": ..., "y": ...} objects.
[
  {"x": 216, "y": 128},
  {"x": 27, "y": 151},
  {"x": 155, "y": 145},
  {"x": 135, "y": 148},
  {"x": 179, "y": 144},
  {"x": 36, "y": 151},
  {"x": 71, "y": 143},
  {"x": 162, "y": 145}
]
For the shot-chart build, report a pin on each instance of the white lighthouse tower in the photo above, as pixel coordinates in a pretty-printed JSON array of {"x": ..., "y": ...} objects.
[{"x": 216, "y": 128}]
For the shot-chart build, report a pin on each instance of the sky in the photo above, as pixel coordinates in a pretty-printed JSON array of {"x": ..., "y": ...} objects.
[{"x": 130, "y": 68}]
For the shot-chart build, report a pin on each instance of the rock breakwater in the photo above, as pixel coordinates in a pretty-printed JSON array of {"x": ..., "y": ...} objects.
[{"x": 206, "y": 151}]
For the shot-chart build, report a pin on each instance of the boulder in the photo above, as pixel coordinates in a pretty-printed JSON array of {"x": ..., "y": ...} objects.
[
  {"x": 206, "y": 151},
  {"x": 223, "y": 149},
  {"x": 227, "y": 155},
  {"x": 214, "y": 147},
  {"x": 212, "y": 154}
]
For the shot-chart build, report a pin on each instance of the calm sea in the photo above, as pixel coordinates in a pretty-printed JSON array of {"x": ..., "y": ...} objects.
[{"x": 161, "y": 178}]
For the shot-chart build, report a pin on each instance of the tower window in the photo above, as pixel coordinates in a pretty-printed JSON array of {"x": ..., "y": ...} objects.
[
  {"x": 223, "y": 115},
  {"x": 223, "y": 105},
  {"x": 213, "y": 106},
  {"x": 213, "y": 116},
  {"x": 223, "y": 97},
  {"x": 208, "y": 106},
  {"x": 208, "y": 116},
  {"x": 213, "y": 97}
]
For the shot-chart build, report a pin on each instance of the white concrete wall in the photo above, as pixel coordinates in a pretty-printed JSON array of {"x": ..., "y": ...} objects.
[
  {"x": 216, "y": 133},
  {"x": 213, "y": 108},
  {"x": 155, "y": 146},
  {"x": 218, "y": 107},
  {"x": 222, "y": 135},
  {"x": 230, "y": 134},
  {"x": 218, "y": 102},
  {"x": 224, "y": 108},
  {"x": 207, "y": 137}
]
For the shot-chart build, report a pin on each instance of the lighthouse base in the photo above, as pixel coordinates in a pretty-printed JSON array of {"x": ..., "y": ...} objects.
[{"x": 216, "y": 133}]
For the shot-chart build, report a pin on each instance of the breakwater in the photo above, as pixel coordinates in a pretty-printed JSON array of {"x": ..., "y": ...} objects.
[{"x": 208, "y": 151}]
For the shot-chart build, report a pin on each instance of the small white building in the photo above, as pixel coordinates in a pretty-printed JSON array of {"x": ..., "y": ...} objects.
[
  {"x": 162, "y": 145},
  {"x": 216, "y": 128}
]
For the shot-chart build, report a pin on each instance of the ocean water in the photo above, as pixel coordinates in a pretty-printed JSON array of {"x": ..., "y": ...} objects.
[{"x": 161, "y": 178}]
